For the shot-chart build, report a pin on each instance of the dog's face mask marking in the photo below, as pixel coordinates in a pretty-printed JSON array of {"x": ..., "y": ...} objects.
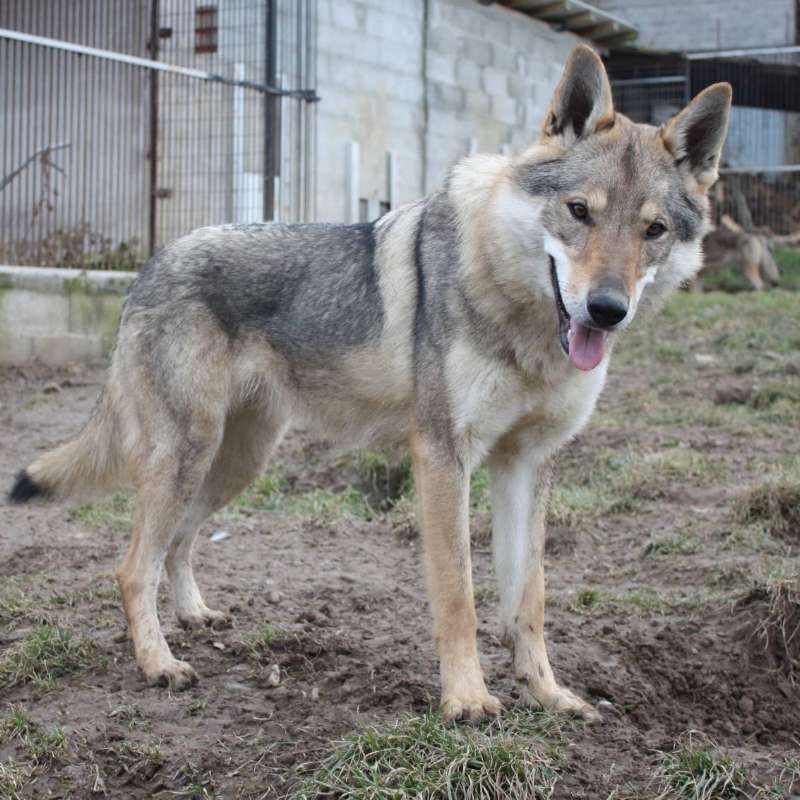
[{"x": 623, "y": 206}]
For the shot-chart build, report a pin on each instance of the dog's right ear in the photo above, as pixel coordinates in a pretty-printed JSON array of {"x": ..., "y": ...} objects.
[
  {"x": 582, "y": 103},
  {"x": 696, "y": 136}
]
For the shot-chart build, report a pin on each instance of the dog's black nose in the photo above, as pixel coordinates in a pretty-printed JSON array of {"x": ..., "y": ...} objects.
[{"x": 607, "y": 305}]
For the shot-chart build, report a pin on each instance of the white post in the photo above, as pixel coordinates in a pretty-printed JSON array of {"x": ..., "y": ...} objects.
[
  {"x": 392, "y": 178},
  {"x": 353, "y": 180},
  {"x": 472, "y": 146}
]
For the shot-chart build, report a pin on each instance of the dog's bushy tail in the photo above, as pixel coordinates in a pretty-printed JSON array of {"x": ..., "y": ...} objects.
[{"x": 92, "y": 463}]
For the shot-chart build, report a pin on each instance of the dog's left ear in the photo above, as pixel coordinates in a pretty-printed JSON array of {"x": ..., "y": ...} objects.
[
  {"x": 696, "y": 136},
  {"x": 582, "y": 103}
]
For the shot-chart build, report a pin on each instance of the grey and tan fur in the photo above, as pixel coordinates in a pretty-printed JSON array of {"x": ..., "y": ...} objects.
[{"x": 445, "y": 325}]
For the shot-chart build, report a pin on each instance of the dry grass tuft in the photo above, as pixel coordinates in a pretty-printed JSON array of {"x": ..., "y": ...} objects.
[
  {"x": 774, "y": 611},
  {"x": 774, "y": 504},
  {"x": 695, "y": 769}
]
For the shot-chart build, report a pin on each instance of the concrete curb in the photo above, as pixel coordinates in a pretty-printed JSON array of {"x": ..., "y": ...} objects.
[
  {"x": 56, "y": 279},
  {"x": 59, "y": 316}
]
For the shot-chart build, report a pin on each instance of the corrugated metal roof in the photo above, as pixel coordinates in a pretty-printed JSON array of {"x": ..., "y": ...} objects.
[{"x": 580, "y": 18}]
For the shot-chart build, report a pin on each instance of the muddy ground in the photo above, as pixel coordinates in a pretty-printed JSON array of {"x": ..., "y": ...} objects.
[{"x": 649, "y": 552}]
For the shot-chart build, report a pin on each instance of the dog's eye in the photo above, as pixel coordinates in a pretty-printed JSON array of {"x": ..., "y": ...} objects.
[
  {"x": 578, "y": 210},
  {"x": 655, "y": 229}
]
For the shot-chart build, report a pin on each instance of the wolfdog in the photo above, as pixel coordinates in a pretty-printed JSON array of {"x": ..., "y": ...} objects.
[{"x": 475, "y": 324}]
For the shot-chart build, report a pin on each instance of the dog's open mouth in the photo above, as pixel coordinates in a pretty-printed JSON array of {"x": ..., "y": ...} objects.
[{"x": 584, "y": 346}]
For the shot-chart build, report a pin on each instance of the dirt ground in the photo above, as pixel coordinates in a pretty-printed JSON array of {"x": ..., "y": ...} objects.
[{"x": 647, "y": 559}]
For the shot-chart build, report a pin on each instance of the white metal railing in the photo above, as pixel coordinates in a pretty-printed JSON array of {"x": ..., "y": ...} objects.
[{"x": 309, "y": 95}]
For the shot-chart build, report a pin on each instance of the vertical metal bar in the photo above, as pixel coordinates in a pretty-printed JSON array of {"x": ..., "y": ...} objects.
[
  {"x": 271, "y": 112},
  {"x": 152, "y": 151}
]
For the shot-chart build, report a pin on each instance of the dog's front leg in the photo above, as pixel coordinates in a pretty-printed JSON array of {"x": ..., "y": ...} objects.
[
  {"x": 443, "y": 497},
  {"x": 519, "y": 489}
]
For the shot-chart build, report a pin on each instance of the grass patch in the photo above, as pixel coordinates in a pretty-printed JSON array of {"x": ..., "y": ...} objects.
[
  {"x": 774, "y": 611},
  {"x": 682, "y": 543},
  {"x": 44, "y": 656},
  {"x": 419, "y": 757},
  {"x": 775, "y": 504},
  {"x": 14, "y": 778},
  {"x": 110, "y": 514},
  {"x": 22, "y": 599},
  {"x": 40, "y": 746},
  {"x": 259, "y": 643},
  {"x": 697, "y": 770},
  {"x": 138, "y": 760},
  {"x": 19, "y": 601},
  {"x": 385, "y": 477},
  {"x": 610, "y": 481},
  {"x": 130, "y": 715},
  {"x": 271, "y": 492},
  {"x": 641, "y": 601}
]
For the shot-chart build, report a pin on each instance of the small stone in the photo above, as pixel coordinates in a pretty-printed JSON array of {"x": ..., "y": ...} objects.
[
  {"x": 608, "y": 709},
  {"x": 315, "y": 694},
  {"x": 51, "y": 388},
  {"x": 274, "y": 597},
  {"x": 704, "y": 359},
  {"x": 218, "y": 536},
  {"x": 274, "y": 678},
  {"x": 746, "y": 705},
  {"x": 218, "y": 645}
]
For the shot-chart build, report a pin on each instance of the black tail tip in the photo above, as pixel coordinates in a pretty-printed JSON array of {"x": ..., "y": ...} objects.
[{"x": 25, "y": 489}]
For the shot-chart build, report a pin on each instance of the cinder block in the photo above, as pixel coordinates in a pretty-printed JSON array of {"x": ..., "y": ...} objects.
[
  {"x": 506, "y": 109},
  {"x": 519, "y": 87},
  {"x": 480, "y": 51},
  {"x": 443, "y": 40},
  {"x": 445, "y": 97},
  {"x": 495, "y": 81},
  {"x": 394, "y": 27},
  {"x": 478, "y": 103},
  {"x": 440, "y": 67},
  {"x": 468, "y": 75}
]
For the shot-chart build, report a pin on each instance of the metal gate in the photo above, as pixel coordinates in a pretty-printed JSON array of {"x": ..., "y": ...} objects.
[{"x": 127, "y": 123}]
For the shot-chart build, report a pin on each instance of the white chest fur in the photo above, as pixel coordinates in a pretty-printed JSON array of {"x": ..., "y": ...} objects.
[{"x": 488, "y": 398}]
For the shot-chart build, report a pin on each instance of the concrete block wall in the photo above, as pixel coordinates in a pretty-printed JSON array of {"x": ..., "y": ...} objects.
[
  {"x": 491, "y": 74},
  {"x": 485, "y": 78},
  {"x": 707, "y": 24},
  {"x": 369, "y": 79}
]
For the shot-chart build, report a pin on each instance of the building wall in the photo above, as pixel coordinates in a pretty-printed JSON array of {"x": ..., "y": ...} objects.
[
  {"x": 482, "y": 83},
  {"x": 707, "y": 24}
]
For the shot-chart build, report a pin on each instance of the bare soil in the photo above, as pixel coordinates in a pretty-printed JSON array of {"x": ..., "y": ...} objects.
[{"x": 654, "y": 633}]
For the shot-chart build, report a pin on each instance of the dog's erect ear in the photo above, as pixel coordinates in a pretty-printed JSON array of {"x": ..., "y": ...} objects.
[
  {"x": 695, "y": 137},
  {"x": 582, "y": 103}
]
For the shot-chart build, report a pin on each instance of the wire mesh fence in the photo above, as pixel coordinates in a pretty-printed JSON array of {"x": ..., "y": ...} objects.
[{"x": 181, "y": 115}]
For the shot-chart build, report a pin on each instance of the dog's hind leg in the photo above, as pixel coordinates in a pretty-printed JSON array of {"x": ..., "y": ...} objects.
[
  {"x": 168, "y": 478},
  {"x": 250, "y": 435},
  {"x": 519, "y": 487}
]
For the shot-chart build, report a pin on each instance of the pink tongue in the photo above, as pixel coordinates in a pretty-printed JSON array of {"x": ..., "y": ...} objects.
[{"x": 587, "y": 346}]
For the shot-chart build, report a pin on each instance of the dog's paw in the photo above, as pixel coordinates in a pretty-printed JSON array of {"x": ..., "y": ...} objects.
[
  {"x": 174, "y": 674},
  {"x": 206, "y": 618},
  {"x": 471, "y": 709},
  {"x": 560, "y": 700}
]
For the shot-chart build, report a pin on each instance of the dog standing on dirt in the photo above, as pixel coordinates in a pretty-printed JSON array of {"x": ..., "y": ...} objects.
[{"x": 474, "y": 325}]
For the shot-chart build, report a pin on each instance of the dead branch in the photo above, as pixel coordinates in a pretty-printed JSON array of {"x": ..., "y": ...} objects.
[{"x": 44, "y": 151}]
